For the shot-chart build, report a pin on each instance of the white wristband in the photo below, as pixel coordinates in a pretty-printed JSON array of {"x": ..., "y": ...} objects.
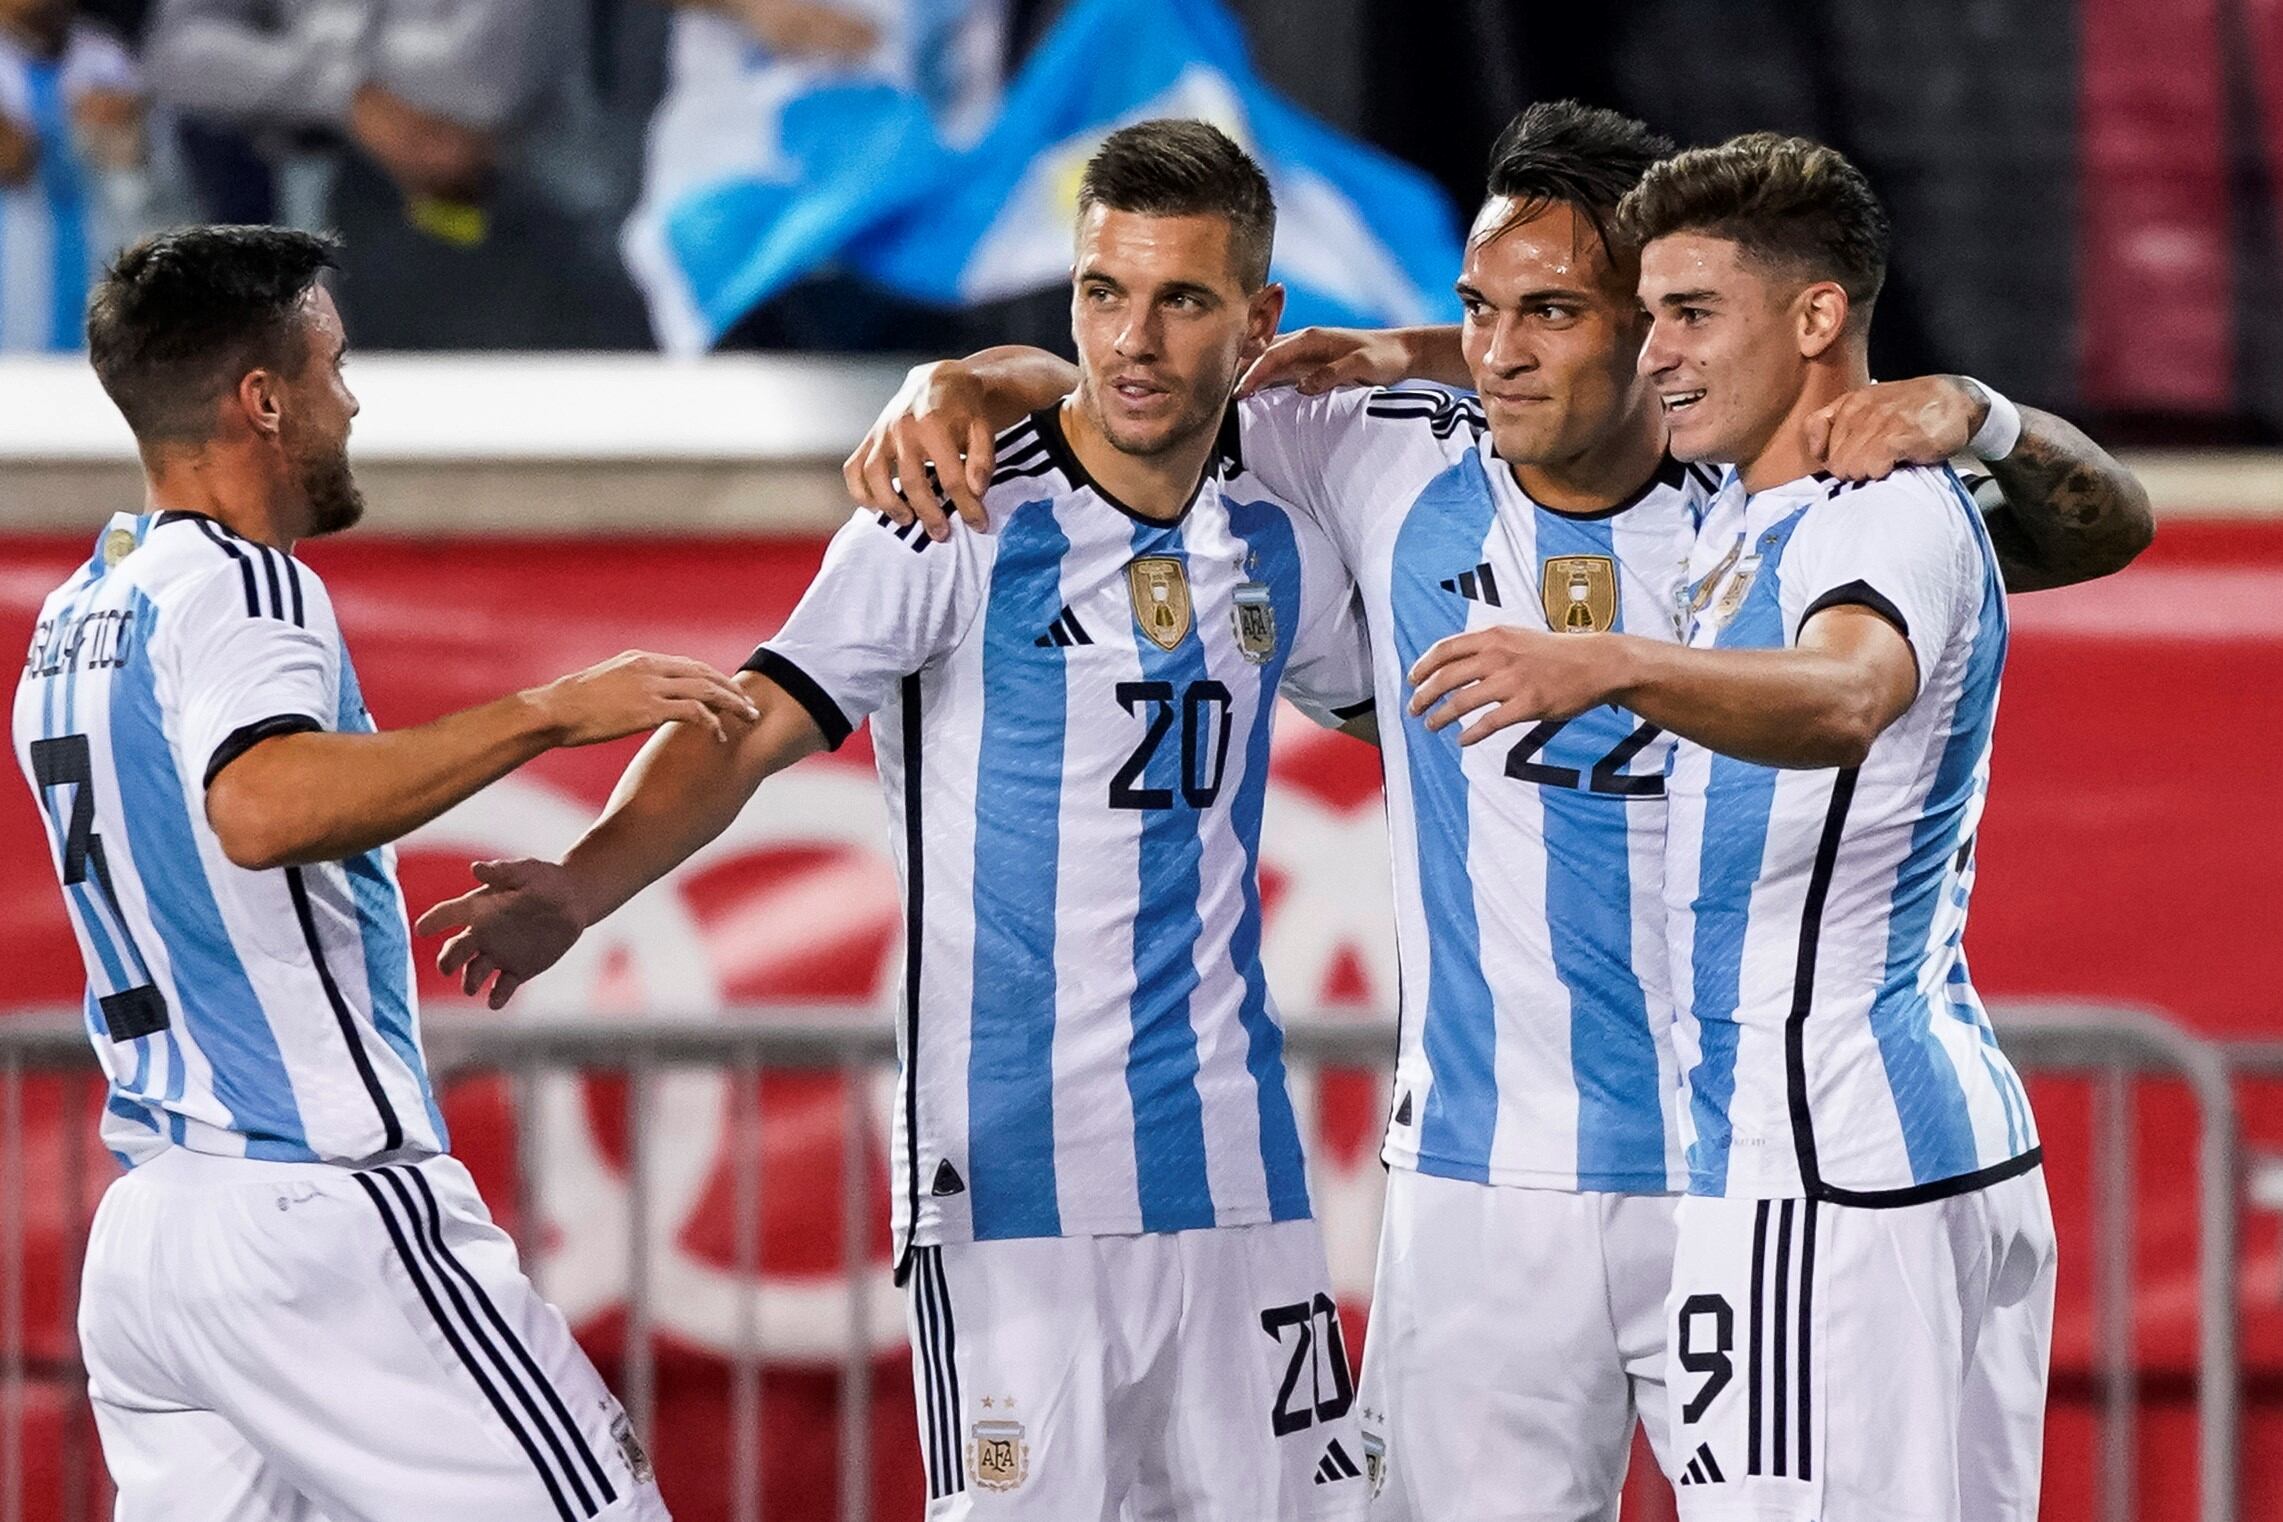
[{"x": 2000, "y": 430}]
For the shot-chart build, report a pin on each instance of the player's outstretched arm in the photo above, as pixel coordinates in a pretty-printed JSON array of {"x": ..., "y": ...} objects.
[
  {"x": 942, "y": 420},
  {"x": 679, "y": 793},
  {"x": 2071, "y": 512},
  {"x": 311, "y": 796},
  {"x": 1821, "y": 703},
  {"x": 1316, "y": 360}
]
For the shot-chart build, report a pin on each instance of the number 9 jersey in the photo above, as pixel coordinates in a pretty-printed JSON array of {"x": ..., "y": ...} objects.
[{"x": 1071, "y": 718}]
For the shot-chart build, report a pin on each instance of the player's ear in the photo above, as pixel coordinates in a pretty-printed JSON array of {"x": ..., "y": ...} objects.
[
  {"x": 1263, "y": 312},
  {"x": 261, "y": 397},
  {"x": 1822, "y": 310}
]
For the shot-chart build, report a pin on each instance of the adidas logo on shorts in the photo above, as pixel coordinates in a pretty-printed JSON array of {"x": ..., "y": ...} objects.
[
  {"x": 1703, "y": 1469},
  {"x": 1336, "y": 1466}
]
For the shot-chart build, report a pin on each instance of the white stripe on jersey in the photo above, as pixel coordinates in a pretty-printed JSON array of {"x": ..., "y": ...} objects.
[
  {"x": 267, "y": 1014},
  {"x": 1536, "y": 1014},
  {"x": 1089, "y": 1047},
  {"x": 1877, "y": 1078}
]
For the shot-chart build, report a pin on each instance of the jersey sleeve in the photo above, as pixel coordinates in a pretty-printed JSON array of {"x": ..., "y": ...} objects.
[
  {"x": 1901, "y": 547},
  {"x": 1329, "y": 675},
  {"x": 885, "y": 603},
  {"x": 1345, "y": 457},
  {"x": 241, "y": 674}
]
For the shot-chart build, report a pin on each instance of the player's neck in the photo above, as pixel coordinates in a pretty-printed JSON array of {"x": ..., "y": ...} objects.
[
  {"x": 1159, "y": 486},
  {"x": 1612, "y": 472},
  {"x": 1787, "y": 455},
  {"x": 235, "y": 493}
]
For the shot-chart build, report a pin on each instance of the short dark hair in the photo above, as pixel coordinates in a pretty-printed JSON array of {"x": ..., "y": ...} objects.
[
  {"x": 180, "y": 317},
  {"x": 1560, "y": 152},
  {"x": 1784, "y": 201},
  {"x": 1177, "y": 168}
]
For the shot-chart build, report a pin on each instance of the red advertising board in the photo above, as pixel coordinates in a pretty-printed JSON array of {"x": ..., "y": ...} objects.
[{"x": 2129, "y": 837}]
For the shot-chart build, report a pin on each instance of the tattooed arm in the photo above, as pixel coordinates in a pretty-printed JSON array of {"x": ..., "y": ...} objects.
[{"x": 2071, "y": 512}]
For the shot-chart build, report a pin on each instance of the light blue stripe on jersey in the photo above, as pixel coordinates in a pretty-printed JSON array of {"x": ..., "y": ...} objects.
[
  {"x": 66, "y": 206},
  {"x": 1445, "y": 529},
  {"x": 1275, "y": 560},
  {"x": 216, "y": 1000},
  {"x": 1161, "y": 1061},
  {"x": 1018, "y": 833},
  {"x": 1738, "y": 800},
  {"x": 1589, "y": 891},
  {"x": 382, "y": 928},
  {"x": 1930, "y": 1103}
]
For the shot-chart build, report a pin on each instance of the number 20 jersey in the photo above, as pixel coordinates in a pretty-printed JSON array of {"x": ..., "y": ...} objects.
[
  {"x": 1071, "y": 718},
  {"x": 1537, "y": 1011}
]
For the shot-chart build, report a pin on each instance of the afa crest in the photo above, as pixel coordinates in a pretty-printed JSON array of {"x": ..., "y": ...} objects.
[
  {"x": 1160, "y": 591},
  {"x": 1254, "y": 613},
  {"x": 998, "y": 1457},
  {"x": 1580, "y": 593}
]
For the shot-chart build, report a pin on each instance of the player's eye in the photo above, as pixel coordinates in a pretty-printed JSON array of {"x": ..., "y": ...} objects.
[
  {"x": 1555, "y": 314},
  {"x": 1691, "y": 316},
  {"x": 1475, "y": 306}
]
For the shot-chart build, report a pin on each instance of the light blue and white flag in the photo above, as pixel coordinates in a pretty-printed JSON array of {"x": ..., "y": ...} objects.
[{"x": 855, "y": 177}]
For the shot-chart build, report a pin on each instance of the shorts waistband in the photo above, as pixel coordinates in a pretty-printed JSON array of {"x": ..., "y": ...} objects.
[{"x": 187, "y": 1165}]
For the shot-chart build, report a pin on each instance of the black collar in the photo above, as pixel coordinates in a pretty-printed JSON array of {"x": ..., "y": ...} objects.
[
  {"x": 1225, "y": 461},
  {"x": 1670, "y": 472}
]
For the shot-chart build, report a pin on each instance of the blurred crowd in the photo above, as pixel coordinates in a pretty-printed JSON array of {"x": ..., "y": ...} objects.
[{"x": 479, "y": 156}]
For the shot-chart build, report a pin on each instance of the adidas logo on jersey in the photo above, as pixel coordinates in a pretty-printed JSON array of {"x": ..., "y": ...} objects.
[
  {"x": 947, "y": 1180},
  {"x": 1336, "y": 1466},
  {"x": 1703, "y": 1469},
  {"x": 1065, "y": 630},
  {"x": 1477, "y": 585}
]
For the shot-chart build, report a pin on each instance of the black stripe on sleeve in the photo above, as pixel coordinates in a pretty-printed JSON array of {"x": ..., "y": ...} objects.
[
  {"x": 915, "y": 897},
  {"x": 392, "y": 1130},
  {"x": 1752, "y": 1361},
  {"x": 1859, "y": 594},
  {"x": 1806, "y": 1339},
  {"x": 293, "y": 579},
  {"x": 420, "y": 1275},
  {"x": 514, "y": 1344},
  {"x": 207, "y": 527},
  {"x": 246, "y": 736},
  {"x": 804, "y": 690},
  {"x": 277, "y": 590}
]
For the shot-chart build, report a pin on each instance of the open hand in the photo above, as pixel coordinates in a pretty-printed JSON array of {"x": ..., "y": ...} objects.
[
  {"x": 1317, "y": 359},
  {"x": 1868, "y": 433},
  {"x": 512, "y": 928},
  {"x": 1520, "y": 674},
  {"x": 638, "y": 691},
  {"x": 931, "y": 442}
]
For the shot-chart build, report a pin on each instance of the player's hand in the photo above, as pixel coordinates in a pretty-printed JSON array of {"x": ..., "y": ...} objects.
[
  {"x": 1867, "y": 434},
  {"x": 1317, "y": 359},
  {"x": 638, "y": 691},
  {"x": 931, "y": 441},
  {"x": 1521, "y": 675},
  {"x": 509, "y": 930},
  {"x": 425, "y": 154}
]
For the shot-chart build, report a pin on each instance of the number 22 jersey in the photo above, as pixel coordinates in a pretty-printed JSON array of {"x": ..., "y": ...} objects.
[
  {"x": 1071, "y": 718},
  {"x": 1537, "y": 1012}
]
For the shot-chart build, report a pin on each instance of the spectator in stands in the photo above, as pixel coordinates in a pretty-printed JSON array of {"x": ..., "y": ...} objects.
[
  {"x": 71, "y": 148},
  {"x": 479, "y": 187}
]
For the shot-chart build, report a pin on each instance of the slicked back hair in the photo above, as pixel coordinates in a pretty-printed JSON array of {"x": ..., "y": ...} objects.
[
  {"x": 1173, "y": 167},
  {"x": 1559, "y": 152},
  {"x": 1787, "y": 203},
  {"x": 180, "y": 318}
]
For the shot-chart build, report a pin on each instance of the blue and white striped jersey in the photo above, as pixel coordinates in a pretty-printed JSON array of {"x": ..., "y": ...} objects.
[
  {"x": 265, "y": 1014},
  {"x": 1071, "y": 716},
  {"x": 55, "y": 231},
  {"x": 1536, "y": 1012},
  {"x": 1833, "y": 1043}
]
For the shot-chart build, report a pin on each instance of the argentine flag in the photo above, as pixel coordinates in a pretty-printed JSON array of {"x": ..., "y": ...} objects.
[{"x": 854, "y": 176}]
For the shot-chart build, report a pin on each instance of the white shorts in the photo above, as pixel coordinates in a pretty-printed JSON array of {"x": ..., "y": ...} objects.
[
  {"x": 1198, "y": 1375},
  {"x": 1836, "y": 1363},
  {"x": 1515, "y": 1336},
  {"x": 281, "y": 1342}
]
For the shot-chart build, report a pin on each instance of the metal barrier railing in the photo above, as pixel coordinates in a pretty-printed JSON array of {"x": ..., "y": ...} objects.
[{"x": 2112, "y": 1045}]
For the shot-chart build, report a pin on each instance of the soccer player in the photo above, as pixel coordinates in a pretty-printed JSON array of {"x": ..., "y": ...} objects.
[
  {"x": 1533, "y": 1123},
  {"x": 295, "y": 1303},
  {"x": 1118, "y": 1299},
  {"x": 1864, "y": 1188}
]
